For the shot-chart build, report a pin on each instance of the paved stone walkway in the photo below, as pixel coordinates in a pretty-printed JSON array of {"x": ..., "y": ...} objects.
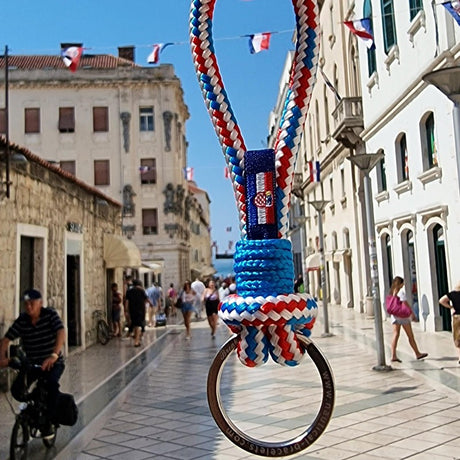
[{"x": 409, "y": 412}]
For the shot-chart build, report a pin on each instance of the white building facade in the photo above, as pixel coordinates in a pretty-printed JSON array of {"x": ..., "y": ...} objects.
[{"x": 416, "y": 186}]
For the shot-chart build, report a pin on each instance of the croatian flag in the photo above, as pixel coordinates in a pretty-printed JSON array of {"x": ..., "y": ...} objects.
[
  {"x": 314, "y": 168},
  {"x": 454, "y": 9},
  {"x": 363, "y": 29},
  {"x": 71, "y": 57},
  {"x": 144, "y": 169},
  {"x": 264, "y": 200},
  {"x": 188, "y": 173},
  {"x": 154, "y": 56},
  {"x": 259, "y": 42}
]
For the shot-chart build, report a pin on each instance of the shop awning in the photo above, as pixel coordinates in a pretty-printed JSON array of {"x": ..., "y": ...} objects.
[
  {"x": 120, "y": 252},
  {"x": 151, "y": 266},
  {"x": 207, "y": 270},
  {"x": 313, "y": 262}
]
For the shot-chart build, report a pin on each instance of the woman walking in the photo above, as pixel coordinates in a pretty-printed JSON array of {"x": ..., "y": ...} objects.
[
  {"x": 188, "y": 297},
  {"x": 452, "y": 301},
  {"x": 395, "y": 290},
  {"x": 211, "y": 303}
]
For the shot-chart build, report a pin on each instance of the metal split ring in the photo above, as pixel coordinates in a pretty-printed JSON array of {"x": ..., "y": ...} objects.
[{"x": 271, "y": 449}]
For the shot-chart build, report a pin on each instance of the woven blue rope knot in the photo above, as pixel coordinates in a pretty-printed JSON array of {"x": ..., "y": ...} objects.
[{"x": 272, "y": 268}]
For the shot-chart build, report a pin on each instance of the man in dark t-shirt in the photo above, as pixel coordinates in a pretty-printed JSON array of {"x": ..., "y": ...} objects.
[
  {"x": 42, "y": 335},
  {"x": 136, "y": 298}
]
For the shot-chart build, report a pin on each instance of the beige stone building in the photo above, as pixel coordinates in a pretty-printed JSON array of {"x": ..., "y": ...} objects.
[
  {"x": 200, "y": 225},
  {"x": 121, "y": 128},
  {"x": 331, "y": 134},
  {"x": 57, "y": 235}
]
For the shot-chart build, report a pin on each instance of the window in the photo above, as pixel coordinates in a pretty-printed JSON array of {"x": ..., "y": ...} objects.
[
  {"x": 31, "y": 121},
  {"x": 402, "y": 159},
  {"x": 371, "y": 59},
  {"x": 148, "y": 171},
  {"x": 66, "y": 119},
  {"x": 381, "y": 176},
  {"x": 2, "y": 121},
  {"x": 100, "y": 119},
  {"x": 150, "y": 221},
  {"x": 430, "y": 157},
  {"x": 68, "y": 166},
  {"x": 388, "y": 24},
  {"x": 414, "y": 7},
  {"x": 101, "y": 172},
  {"x": 146, "y": 119}
]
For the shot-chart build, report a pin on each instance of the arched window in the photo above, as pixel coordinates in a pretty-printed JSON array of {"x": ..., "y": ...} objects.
[
  {"x": 371, "y": 59},
  {"x": 402, "y": 161},
  {"x": 381, "y": 176},
  {"x": 414, "y": 7},
  {"x": 427, "y": 134},
  {"x": 388, "y": 24}
]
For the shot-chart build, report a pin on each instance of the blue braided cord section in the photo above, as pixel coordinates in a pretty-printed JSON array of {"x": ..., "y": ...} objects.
[
  {"x": 258, "y": 346},
  {"x": 271, "y": 267}
]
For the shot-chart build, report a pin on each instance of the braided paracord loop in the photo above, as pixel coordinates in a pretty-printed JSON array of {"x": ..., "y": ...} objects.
[
  {"x": 263, "y": 265},
  {"x": 267, "y": 323}
]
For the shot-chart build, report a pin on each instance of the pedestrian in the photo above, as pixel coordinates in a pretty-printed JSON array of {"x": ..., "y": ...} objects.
[
  {"x": 188, "y": 297},
  {"x": 116, "y": 310},
  {"x": 223, "y": 291},
  {"x": 298, "y": 285},
  {"x": 128, "y": 286},
  {"x": 211, "y": 303},
  {"x": 43, "y": 336},
  {"x": 451, "y": 300},
  {"x": 199, "y": 287},
  {"x": 406, "y": 323},
  {"x": 171, "y": 299},
  {"x": 136, "y": 298},
  {"x": 154, "y": 295}
]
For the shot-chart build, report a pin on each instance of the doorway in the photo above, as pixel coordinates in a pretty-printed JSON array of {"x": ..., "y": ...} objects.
[
  {"x": 441, "y": 274},
  {"x": 73, "y": 301}
]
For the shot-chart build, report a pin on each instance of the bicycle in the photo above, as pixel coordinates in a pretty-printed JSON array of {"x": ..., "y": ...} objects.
[
  {"x": 32, "y": 420},
  {"x": 102, "y": 328}
]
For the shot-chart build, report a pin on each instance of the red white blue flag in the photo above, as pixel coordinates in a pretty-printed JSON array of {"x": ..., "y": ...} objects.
[
  {"x": 362, "y": 28},
  {"x": 315, "y": 171},
  {"x": 188, "y": 173},
  {"x": 71, "y": 57},
  {"x": 259, "y": 42},
  {"x": 453, "y": 8},
  {"x": 154, "y": 56}
]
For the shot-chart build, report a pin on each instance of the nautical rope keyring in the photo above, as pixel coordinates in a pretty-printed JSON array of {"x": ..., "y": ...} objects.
[{"x": 268, "y": 319}]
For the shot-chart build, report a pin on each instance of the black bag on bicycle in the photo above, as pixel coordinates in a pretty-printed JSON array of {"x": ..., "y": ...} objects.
[{"x": 66, "y": 410}]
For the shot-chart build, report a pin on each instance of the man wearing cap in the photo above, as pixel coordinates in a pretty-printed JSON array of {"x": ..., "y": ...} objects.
[{"x": 43, "y": 335}]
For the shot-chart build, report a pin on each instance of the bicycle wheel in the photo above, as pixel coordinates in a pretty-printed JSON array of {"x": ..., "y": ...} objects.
[
  {"x": 103, "y": 333},
  {"x": 49, "y": 440},
  {"x": 19, "y": 440}
]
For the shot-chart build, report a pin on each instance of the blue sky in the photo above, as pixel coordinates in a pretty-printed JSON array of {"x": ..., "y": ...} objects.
[{"x": 251, "y": 81}]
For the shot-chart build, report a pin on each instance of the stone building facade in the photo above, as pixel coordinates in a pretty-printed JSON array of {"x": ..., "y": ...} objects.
[
  {"x": 120, "y": 127},
  {"x": 54, "y": 229}
]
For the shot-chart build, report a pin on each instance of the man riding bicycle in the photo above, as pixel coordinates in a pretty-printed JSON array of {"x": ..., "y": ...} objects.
[{"x": 42, "y": 335}]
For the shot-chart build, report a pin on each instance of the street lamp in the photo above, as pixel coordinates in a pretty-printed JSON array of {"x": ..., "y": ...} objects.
[
  {"x": 448, "y": 82},
  {"x": 319, "y": 206},
  {"x": 365, "y": 162}
]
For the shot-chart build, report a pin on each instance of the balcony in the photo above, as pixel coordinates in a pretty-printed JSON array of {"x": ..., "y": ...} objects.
[{"x": 348, "y": 121}]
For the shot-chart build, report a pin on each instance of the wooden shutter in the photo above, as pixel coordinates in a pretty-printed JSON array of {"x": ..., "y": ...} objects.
[
  {"x": 31, "y": 121},
  {"x": 101, "y": 172},
  {"x": 100, "y": 119},
  {"x": 2, "y": 121},
  {"x": 66, "y": 119},
  {"x": 68, "y": 166}
]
